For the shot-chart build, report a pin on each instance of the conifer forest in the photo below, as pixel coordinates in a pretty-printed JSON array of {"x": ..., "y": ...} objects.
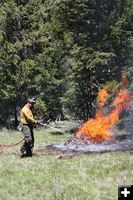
[{"x": 62, "y": 52}]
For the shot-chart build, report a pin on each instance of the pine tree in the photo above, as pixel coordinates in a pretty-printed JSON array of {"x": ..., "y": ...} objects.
[
  {"x": 98, "y": 48},
  {"x": 62, "y": 52}
]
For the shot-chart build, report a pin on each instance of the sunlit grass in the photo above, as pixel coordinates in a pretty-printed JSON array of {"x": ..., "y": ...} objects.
[{"x": 48, "y": 176}]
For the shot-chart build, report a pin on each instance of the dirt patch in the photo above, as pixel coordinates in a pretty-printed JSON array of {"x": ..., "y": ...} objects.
[{"x": 45, "y": 151}]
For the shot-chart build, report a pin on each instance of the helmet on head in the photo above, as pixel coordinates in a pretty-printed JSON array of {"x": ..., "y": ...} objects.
[{"x": 32, "y": 100}]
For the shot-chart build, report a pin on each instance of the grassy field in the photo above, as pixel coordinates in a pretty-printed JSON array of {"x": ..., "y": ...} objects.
[{"x": 59, "y": 176}]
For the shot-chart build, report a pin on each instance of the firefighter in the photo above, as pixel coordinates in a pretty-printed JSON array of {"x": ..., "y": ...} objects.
[{"x": 28, "y": 121}]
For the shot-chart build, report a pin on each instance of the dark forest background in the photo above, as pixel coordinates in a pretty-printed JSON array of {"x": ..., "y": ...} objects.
[{"x": 62, "y": 52}]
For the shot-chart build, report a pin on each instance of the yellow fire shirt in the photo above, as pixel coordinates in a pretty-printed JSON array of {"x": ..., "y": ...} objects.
[{"x": 26, "y": 116}]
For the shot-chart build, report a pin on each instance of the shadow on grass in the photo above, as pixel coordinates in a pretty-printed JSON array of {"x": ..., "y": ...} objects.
[{"x": 57, "y": 133}]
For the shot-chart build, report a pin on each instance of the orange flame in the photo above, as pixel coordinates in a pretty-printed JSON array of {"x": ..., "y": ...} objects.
[
  {"x": 98, "y": 129},
  {"x": 103, "y": 96}
]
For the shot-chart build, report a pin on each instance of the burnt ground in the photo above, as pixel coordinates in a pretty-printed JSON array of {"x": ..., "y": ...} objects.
[
  {"x": 121, "y": 144},
  {"x": 45, "y": 151},
  {"x": 75, "y": 145},
  {"x": 67, "y": 151}
]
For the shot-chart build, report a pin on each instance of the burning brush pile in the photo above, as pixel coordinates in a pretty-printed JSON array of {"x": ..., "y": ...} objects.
[{"x": 96, "y": 135}]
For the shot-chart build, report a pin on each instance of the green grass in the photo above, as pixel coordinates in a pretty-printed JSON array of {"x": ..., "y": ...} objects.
[{"x": 59, "y": 176}]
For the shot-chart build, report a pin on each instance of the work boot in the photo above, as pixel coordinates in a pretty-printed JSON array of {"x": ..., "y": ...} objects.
[
  {"x": 22, "y": 155},
  {"x": 29, "y": 153},
  {"x": 22, "y": 152}
]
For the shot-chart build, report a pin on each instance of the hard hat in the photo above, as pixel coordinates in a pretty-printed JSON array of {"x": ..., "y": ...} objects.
[{"x": 32, "y": 100}]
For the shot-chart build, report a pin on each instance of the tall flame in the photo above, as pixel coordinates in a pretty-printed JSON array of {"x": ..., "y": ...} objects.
[
  {"x": 98, "y": 129},
  {"x": 103, "y": 96}
]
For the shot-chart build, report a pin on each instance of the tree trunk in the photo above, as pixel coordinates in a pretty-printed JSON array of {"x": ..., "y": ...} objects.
[{"x": 15, "y": 114}]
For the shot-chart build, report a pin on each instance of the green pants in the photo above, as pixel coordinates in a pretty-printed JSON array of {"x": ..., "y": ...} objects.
[{"x": 28, "y": 145}]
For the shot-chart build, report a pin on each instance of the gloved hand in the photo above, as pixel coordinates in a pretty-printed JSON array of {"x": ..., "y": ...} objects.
[{"x": 36, "y": 122}]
